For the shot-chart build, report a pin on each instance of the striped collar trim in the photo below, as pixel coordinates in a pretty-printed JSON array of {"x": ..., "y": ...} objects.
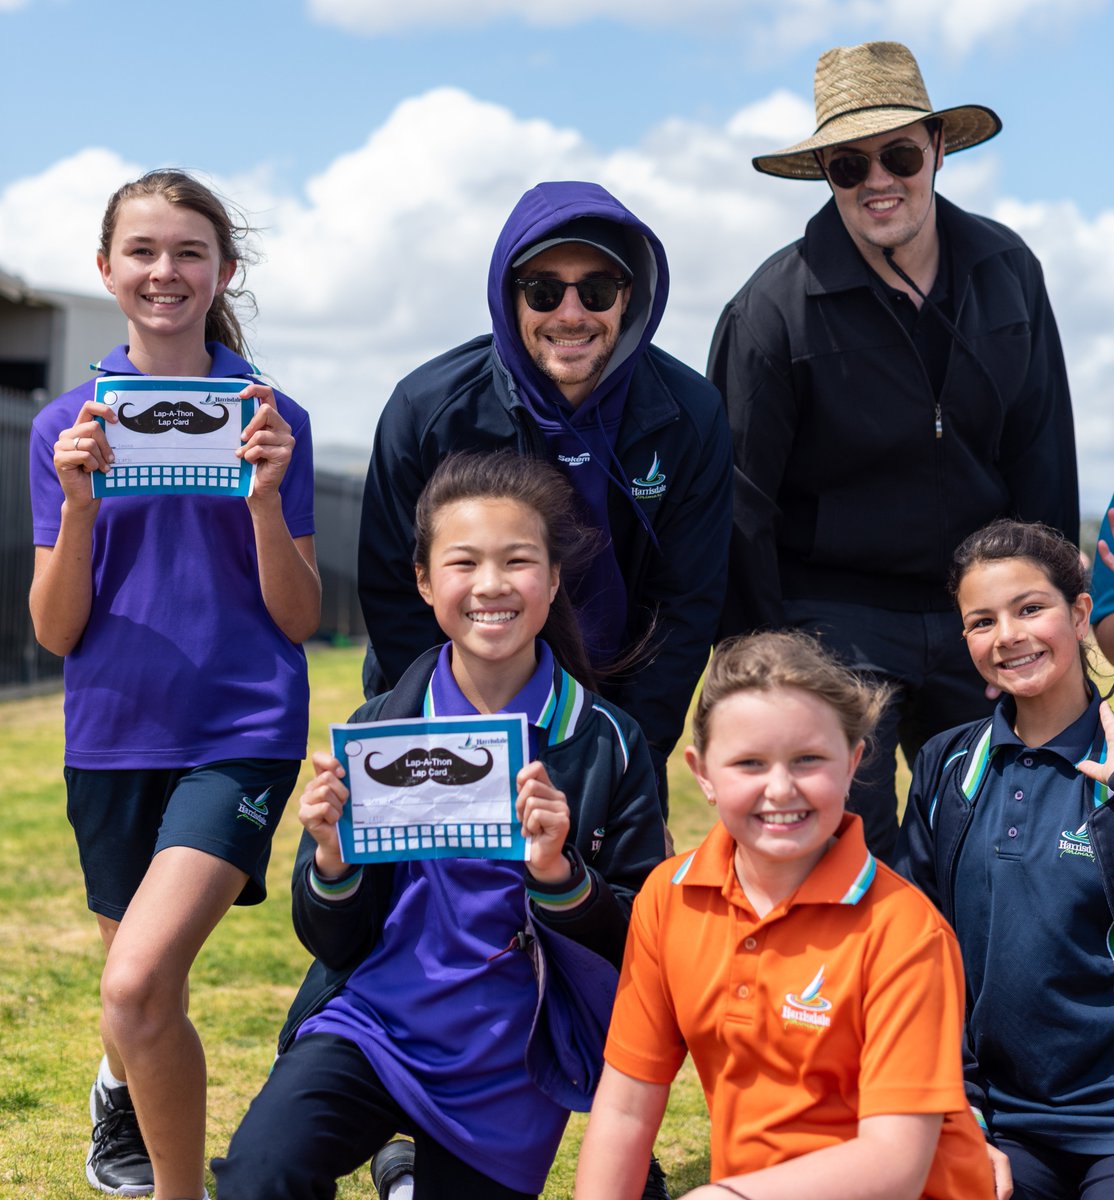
[
  {"x": 683, "y": 869},
  {"x": 980, "y": 760},
  {"x": 560, "y": 714},
  {"x": 563, "y": 710},
  {"x": 842, "y": 876},
  {"x": 862, "y": 881}
]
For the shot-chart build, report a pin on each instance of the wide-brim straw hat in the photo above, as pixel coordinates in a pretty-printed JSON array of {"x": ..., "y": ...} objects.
[{"x": 862, "y": 91}]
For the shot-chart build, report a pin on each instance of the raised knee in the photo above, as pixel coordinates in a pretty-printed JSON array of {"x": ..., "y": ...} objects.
[{"x": 137, "y": 1003}]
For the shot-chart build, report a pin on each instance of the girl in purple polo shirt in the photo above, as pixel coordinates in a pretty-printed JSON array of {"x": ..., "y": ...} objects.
[
  {"x": 424, "y": 1014},
  {"x": 181, "y": 619}
]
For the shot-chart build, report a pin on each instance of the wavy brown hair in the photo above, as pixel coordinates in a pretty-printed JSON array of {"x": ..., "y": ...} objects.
[{"x": 177, "y": 187}]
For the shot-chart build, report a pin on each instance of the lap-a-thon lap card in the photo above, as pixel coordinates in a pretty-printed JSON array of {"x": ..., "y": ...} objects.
[
  {"x": 442, "y": 787},
  {"x": 174, "y": 434}
]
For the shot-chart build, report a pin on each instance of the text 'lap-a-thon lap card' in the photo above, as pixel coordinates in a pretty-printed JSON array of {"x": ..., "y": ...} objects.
[
  {"x": 174, "y": 435},
  {"x": 437, "y": 787}
]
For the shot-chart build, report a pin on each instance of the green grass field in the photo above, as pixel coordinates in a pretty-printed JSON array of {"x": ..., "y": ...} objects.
[{"x": 50, "y": 961}]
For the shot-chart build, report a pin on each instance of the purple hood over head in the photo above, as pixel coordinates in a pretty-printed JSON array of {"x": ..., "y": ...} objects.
[{"x": 541, "y": 211}]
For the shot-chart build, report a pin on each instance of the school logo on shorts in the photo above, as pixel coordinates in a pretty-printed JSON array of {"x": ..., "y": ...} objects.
[
  {"x": 255, "y": 811},
  {"x": 652, "y": 484},
  {"x": 1076, "y": 843},
  {"x": 808, "y": 1009}
]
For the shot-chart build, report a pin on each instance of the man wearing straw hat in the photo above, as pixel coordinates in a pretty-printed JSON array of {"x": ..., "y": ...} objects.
[{"x": 894, "y": 380}]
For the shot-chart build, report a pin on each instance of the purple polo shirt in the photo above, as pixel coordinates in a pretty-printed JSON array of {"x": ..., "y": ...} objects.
[
  {"x": 440, "y": 1013},
  {"x": 180, "y": 662}
]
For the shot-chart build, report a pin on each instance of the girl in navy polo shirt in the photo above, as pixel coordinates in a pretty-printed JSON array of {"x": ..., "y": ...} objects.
[
  {"x": 181, "y": 618},
  {"x": 422, "y": 1014},
  {"x": 1009, "y": 830}
]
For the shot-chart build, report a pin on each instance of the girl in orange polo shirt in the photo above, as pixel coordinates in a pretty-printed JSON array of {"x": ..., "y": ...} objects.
[{"x": 820, "y": 995}]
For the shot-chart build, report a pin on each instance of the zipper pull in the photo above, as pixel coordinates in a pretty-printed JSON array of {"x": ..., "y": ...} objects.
[
  {"x": 939, "y": 423},
  {"x": 518, "y": 942}
]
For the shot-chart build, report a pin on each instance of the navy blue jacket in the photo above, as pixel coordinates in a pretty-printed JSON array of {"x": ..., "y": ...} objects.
[
  {"x": 947, "y": 778},
  {"x": 601, "y": 764},
  {"x": 668, "y": 501},
  {"x": 843, "y": 489}
]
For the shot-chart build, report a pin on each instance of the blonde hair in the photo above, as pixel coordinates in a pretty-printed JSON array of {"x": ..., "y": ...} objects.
[{"x": 764, "y": 662}]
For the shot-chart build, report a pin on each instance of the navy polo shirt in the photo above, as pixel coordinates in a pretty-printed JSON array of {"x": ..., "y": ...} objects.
[{"x": 1035, "y": 931}]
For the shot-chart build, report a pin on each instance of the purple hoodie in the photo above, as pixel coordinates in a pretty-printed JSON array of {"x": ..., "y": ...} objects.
[{"x": 582, "y": 439}]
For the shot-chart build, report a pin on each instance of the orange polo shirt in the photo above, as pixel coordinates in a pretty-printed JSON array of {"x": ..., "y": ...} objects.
[{"x": 845, "y": 1001}]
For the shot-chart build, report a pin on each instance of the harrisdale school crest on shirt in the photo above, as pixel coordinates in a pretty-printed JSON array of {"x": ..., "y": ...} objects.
[
  {"x": 653, "y": 484},
  {"x": 808, "y": 1009}
]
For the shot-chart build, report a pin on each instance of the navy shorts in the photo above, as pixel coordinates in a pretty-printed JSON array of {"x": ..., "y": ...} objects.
[{"x": 122, "y": 819}]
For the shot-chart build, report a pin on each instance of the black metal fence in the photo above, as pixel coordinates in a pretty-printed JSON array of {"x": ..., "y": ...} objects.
[
  {"x": 23, "y": 662},
  {"x": 337, "y": 502}
]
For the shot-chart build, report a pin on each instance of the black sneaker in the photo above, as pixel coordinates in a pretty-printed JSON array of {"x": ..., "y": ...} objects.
[
  {"x": 391, "y": 1162},
  {"x": 655, "y": 1188},
  {"x": 118, "y": 1162}
]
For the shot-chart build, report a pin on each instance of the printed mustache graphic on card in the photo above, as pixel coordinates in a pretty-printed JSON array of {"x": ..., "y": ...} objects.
[
  {"x": 182, "y": 417},
  {"x": 438, "y": 765}
]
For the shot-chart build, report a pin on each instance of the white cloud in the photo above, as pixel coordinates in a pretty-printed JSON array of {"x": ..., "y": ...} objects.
[
  {"x": 50, "y": 224},
  {"x": 1078, "y": 260},
  {"x": 382, "y": 262},
  {"x": 958, "y": 25}
]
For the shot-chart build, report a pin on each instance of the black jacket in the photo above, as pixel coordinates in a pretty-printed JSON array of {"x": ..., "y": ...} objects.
[
  {"x": 465, "y": 400},
  {"x": 842, "y": 488}
]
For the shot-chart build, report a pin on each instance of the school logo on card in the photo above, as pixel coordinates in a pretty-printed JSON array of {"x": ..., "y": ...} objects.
[
  {"x": 650, "y": 485},
  {"x": 808, "y": 1009},
  {"x": 255, "y": 811},
  {"x": 1076, "y": 843}
]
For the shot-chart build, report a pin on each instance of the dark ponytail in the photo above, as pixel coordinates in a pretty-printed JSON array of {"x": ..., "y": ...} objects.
[{"x": 540, "y": 487}]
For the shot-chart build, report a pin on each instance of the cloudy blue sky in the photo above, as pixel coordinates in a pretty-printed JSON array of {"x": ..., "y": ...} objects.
[{"x": 378, "y": 147}]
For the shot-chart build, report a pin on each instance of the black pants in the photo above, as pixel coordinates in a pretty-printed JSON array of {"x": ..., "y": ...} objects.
[
  {"x": 925, "y": 657},
  {"x": 322, "y": 1113},
  {"x": 1046, "y": 1173}
]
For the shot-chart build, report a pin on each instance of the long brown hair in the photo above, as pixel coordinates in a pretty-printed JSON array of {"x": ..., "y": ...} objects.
[
  {"x": 540, "y": 487},
  {"x": 177, "y": 187}
]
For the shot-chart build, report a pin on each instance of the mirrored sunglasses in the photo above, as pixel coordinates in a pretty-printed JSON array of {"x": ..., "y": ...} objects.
[
  {"x": 597, "y": 293},
  {"x": 904, "y": 161}
]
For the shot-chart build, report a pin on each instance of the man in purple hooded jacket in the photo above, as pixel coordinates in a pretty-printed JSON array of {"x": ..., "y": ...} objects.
[{"x": 577, "y": 288}]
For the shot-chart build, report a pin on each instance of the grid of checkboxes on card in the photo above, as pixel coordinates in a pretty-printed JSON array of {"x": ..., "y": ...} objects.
[
  {"x": 399, "y": 838},
  {"x": 221, "y": 478}
]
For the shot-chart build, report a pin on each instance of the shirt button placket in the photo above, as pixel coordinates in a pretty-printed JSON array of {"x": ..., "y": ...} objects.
[{"x": 744, "y": 976}]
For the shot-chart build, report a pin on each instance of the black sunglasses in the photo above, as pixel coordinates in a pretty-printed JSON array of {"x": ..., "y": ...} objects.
[
  {"x": 597, "y": 293},
  {"x": 903, "y": 160}
]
